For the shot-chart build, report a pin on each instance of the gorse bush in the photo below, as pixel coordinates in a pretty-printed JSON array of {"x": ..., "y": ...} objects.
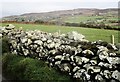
[{"x": 20, "y": 68}]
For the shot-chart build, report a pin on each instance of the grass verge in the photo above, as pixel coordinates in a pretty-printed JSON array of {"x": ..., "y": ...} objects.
[{"x": 19, "y": 68}]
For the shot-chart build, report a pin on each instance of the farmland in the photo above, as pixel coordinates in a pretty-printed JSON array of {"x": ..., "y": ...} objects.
[
  {"x": 90, "y": 33},
  {"x": 78, "y": 19},
  {"x": 89, "y": 18}
]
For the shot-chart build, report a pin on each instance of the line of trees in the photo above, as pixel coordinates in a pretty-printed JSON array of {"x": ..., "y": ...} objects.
[{"x": 91, "y": 24}]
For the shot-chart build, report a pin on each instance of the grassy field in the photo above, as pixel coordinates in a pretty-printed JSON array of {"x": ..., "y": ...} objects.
[
  {"x": 90, "y": 33},
  {"x": 77, "y": 19}
]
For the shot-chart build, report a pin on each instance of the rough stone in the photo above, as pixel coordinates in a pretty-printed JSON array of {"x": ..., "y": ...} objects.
[
  {"x": 0, "y": 35},
  {"x": 107, "y": 74},
  {"x": 103, "y": 55},
  {"x": 75, "y": 36},
  {"x": 93, "y": 62},
  {"x": 9, "y": 27},
  {"x": 94, "y": 69},
  {"x": 39, "y": 42},
  {"x": 85, "y": 60},
  {"x": 76, "y": 68},
  {"x": 65, "y": 67},
  {"x": 78, "y": 60},
  {"x": 116, "y": 75},
  {"x": 113, "y": 60},
  {"x": 98, "y": 77}
]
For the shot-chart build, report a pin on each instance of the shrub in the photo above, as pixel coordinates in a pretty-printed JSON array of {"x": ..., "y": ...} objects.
[
  {"x": 8, "y": 65},
  {"x": 20, "y": 68},
  {"x": 5, "y": 45}
]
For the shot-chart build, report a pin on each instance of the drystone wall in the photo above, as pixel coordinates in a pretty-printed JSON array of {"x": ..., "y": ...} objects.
[{"x": 69, "y": 53}]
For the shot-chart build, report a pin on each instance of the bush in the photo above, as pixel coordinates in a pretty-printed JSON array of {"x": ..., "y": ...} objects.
[
  {"x": 39, "y": 22},
  {"x": 5, "y": 45},
  {"x": 20, "y": 68},
  {"x": 9, "y": 62}
]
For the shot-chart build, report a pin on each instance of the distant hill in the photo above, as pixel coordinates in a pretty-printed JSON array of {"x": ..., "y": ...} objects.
[{"x": 61, "y": 15}]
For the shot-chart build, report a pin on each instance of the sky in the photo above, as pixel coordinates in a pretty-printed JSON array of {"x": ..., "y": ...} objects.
[{"x": 18, "y": 7}]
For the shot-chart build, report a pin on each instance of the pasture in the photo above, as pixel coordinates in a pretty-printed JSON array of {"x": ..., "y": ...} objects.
[
  {"x": 90, "y": 33},
  {"x": 97, "y": 19},
  {"x": 77, "y": 19}
]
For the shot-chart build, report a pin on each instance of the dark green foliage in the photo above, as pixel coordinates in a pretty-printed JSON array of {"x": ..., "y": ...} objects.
[
  {"x": 39, "y": 22},
  {"x": 90, "y": 24},
  {"x": 20, "y": 68},
  {"x": 9, "y": 65},
  {"x": 5, "y": 45}
]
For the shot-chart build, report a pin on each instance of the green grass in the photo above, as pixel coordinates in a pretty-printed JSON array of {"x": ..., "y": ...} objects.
[
  {"x": 5, "y": 45},
  {"x": 90, "y": 33},
  {"x": 78, "y": 19},
  {"x": 20, "y": 68}
]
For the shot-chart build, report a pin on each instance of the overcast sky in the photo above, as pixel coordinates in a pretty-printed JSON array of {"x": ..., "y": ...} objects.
[{"x": 17, "y": 7}]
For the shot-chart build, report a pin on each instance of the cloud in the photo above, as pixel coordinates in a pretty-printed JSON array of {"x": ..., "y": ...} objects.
[
  {"x": 15, "y": 8},
  {"x": 60, "y": 0}
]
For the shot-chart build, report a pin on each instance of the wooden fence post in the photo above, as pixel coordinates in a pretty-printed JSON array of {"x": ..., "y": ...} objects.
[{"x": 113, "y": 39}]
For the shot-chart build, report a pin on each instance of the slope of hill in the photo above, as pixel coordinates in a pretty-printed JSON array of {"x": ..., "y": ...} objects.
[{"x": 62, "y": 15}]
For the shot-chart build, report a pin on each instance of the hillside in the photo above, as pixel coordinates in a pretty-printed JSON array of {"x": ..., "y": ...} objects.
[{"x": 62, "y": 15}]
